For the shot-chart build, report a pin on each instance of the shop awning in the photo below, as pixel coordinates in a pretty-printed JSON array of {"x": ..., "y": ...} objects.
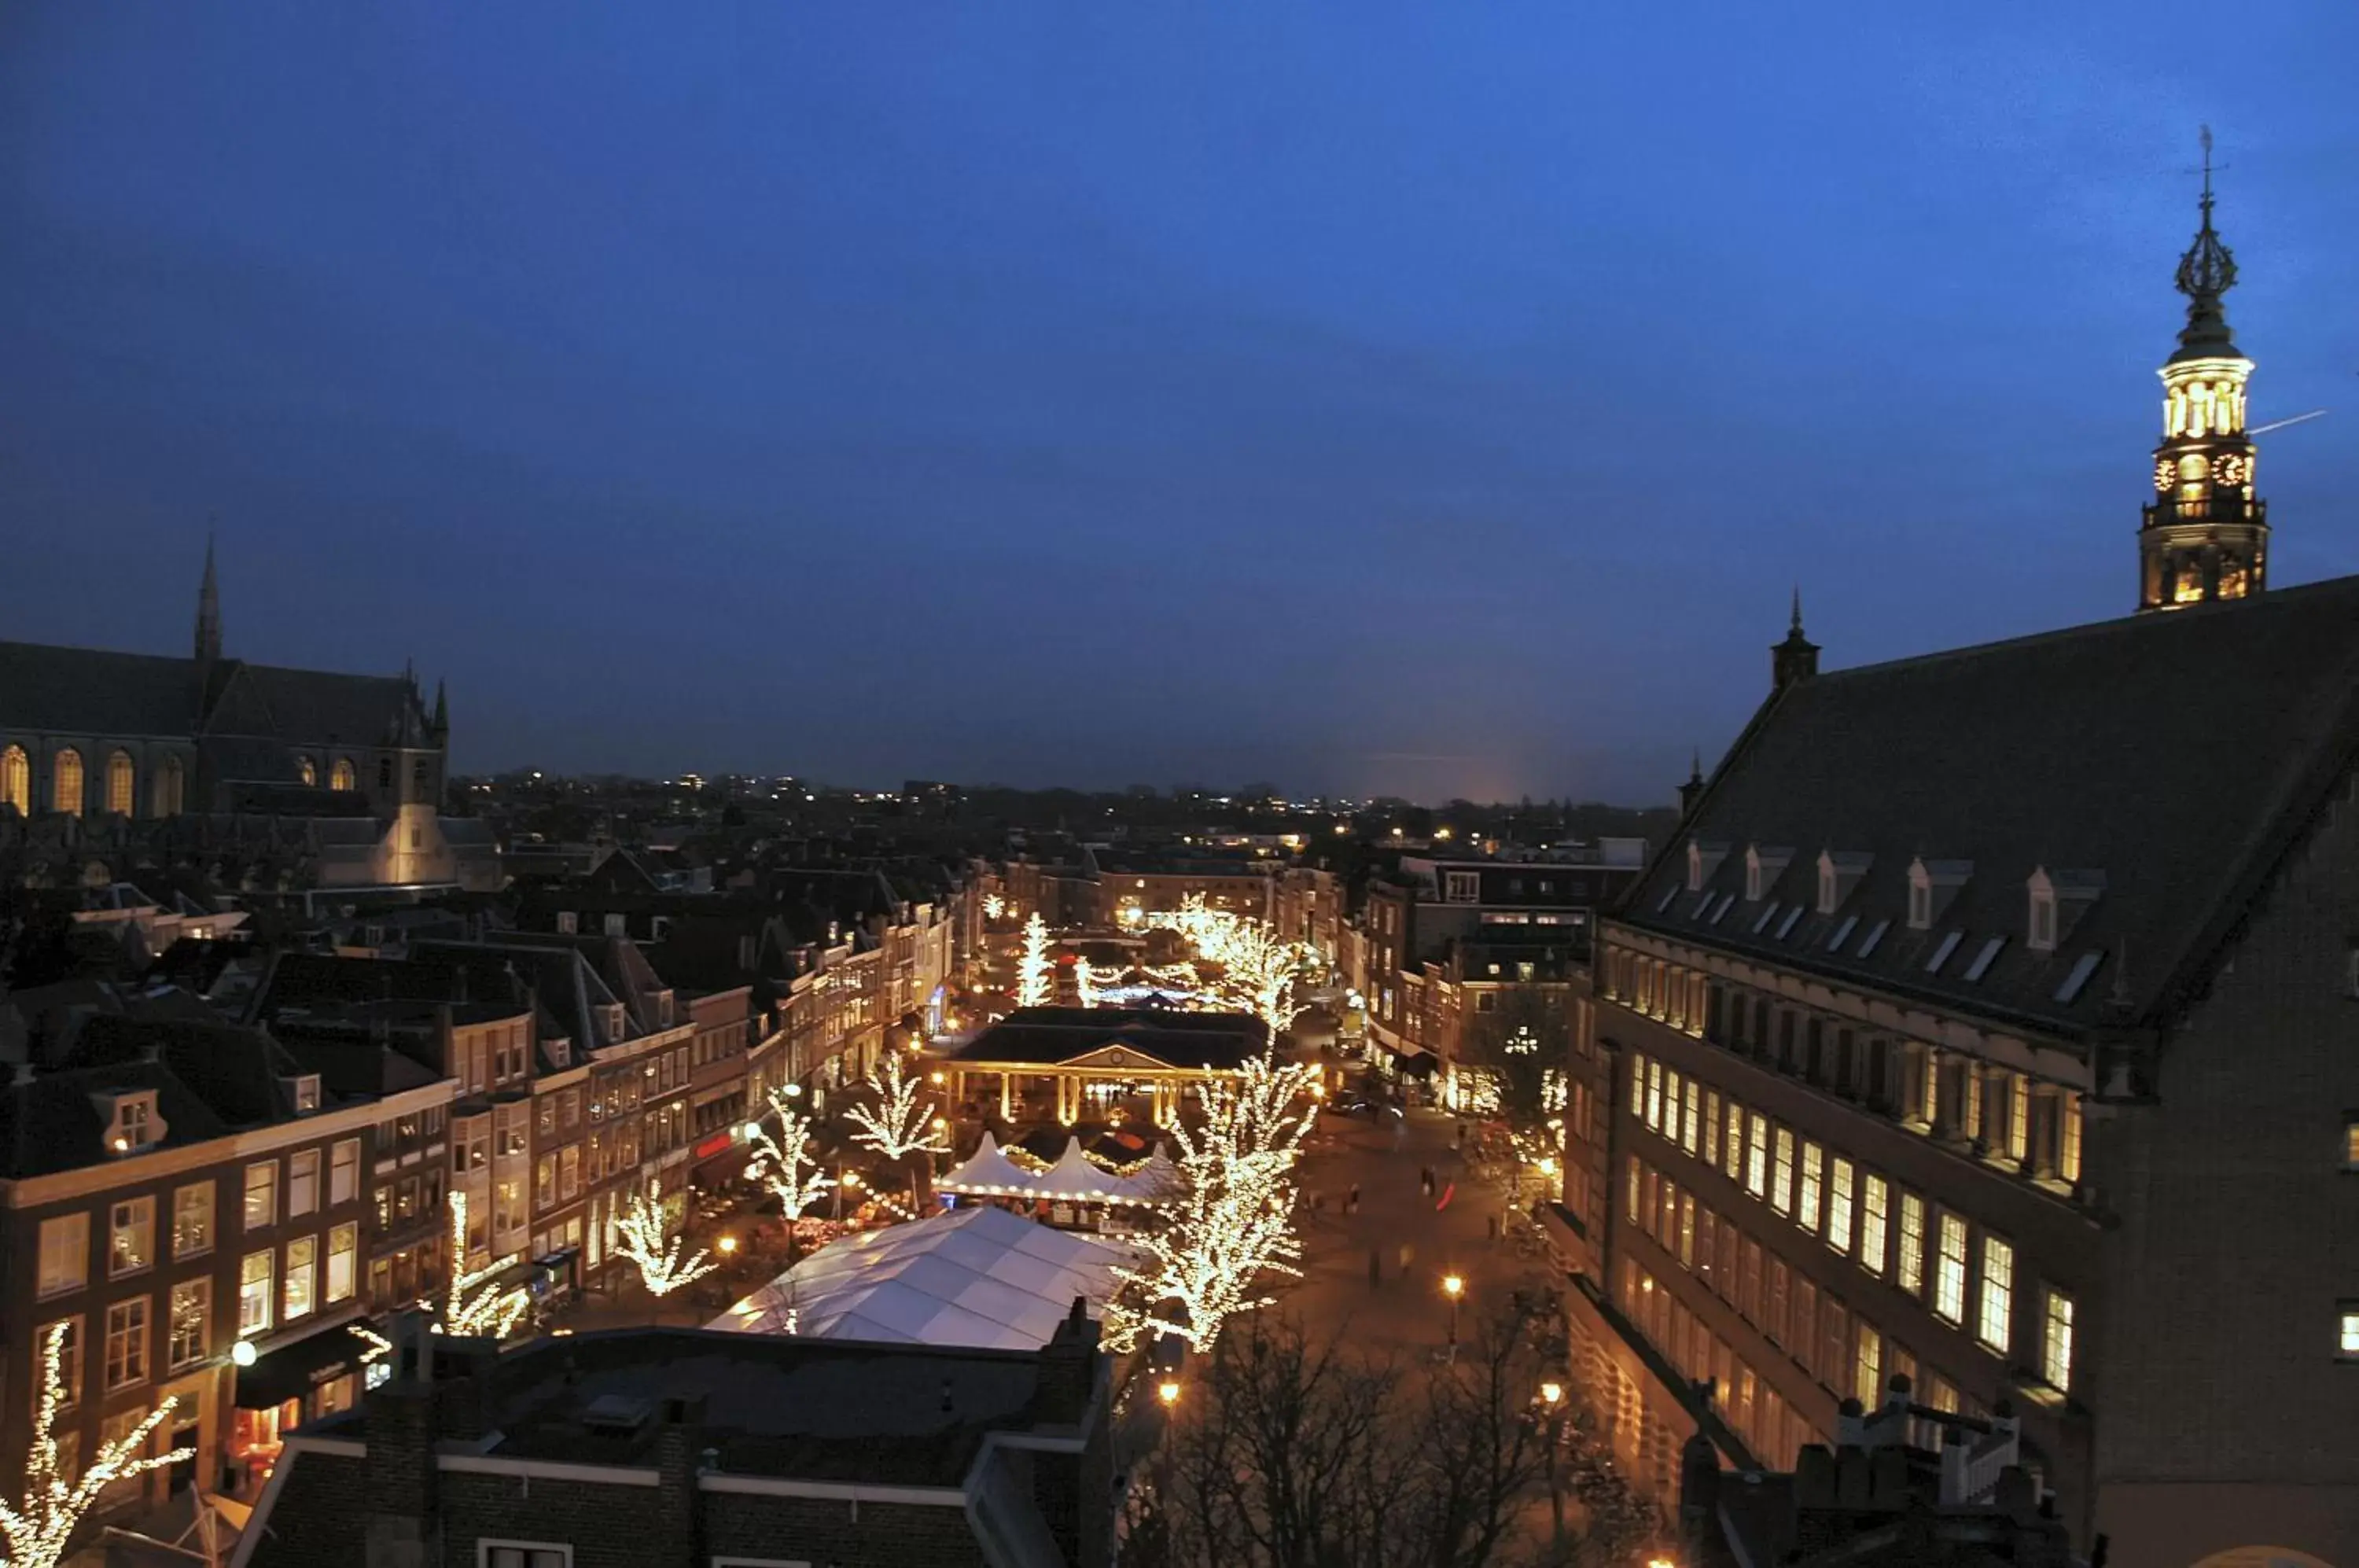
[{"x": 292, "y": 1370}]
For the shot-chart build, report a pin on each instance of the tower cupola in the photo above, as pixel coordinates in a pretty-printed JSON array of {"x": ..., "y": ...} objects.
[{"x": 2205, "y": 535}]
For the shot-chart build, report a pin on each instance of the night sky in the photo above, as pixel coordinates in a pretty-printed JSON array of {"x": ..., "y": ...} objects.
[{"x": 1436, "y": 399}]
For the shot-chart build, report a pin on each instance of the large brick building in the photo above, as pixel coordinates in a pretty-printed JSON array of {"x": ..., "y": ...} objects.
[
  {"x": 674, "y": 1448},
  {"x": 1989, "y": 1023}
]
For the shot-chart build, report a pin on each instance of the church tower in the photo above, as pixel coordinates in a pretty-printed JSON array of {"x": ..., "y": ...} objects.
[
  {"x": 209, "y": 639},
  {"x": 2205, "y": 536}
]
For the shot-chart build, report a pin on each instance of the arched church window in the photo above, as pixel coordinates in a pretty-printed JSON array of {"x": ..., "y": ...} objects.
[
  {"x": 118, "y": 784},
  {"x": 16, "y": 779},
  {"x": 2188, "y": 588},
  {"x": 65, "y": 782},
  {"x": 339, "y": 776},
  {"x": 164, "y": 791},
  {"x": 2232, "y": 577},
  {"x": 311, "y": 772}
]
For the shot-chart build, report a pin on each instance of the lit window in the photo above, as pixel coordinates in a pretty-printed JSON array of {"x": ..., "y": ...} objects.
[
  {"x": 17, "y": 780},
  {"x": 1912, "y": 1243},
  {"x": 1950, "y": 1271},
  {"x": 1781, "y": 1179},
  {"x": 69, "y": 1358},
  {"x": 1839, "y": 1193},
  {"x": 2056, "y": 1341},
  {"x": 302, "y": 1273},
  {"x": 1998, "y": 1294},
  {"x": 65, "y": 1253},
  {"x": 1806, "y": 1204},
  {"x": 339, "y": 776},
  {"x": 525, "y": 1554},
  {"x": 261, "y": 1195},
  {"x": 1756, "y": 1156},
  {"x": 65, "y": 782},
  {"x": 1874, "y": 1197},
  {"x": 311, "y": 772},
  {"x": 192, "y": 1219},
  {"x": 254, "y": 1291},
  {"x": 118, "y": 784},
  {"x": 1867, "y": 1368},
  {"x": 126, "y": 1344},
  {"x": 2348, "y": 1344},
  {"x": 130, "y": 1236},
  {"x": 191, "y": 1328}
]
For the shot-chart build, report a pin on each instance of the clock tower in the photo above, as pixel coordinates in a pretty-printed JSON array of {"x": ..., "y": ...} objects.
[{"x": 2205, "y": 536}]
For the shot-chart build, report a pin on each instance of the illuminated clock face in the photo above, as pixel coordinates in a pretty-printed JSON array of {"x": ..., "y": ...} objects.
[
  {"x": 2163, "y": 472},
  {"x": 2234, "y": 469}
]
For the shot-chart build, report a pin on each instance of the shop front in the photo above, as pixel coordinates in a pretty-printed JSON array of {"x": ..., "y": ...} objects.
[{"x": 290, "y": 1382}]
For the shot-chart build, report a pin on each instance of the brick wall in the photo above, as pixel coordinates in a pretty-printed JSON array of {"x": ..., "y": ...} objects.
[{"x": 2239, "y": 1236}]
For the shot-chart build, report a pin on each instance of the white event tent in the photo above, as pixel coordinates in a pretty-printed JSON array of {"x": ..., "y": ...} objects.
[
  {"x": 1074, "y": 1178},
  {"x": 977, "y": 1277}
]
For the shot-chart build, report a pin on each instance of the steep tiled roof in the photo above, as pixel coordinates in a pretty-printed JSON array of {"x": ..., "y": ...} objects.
[
  {"x": 1050, "y": 1035},
  {"x": 94, "y": 691},
  {"x": 2177, "y": 756}
]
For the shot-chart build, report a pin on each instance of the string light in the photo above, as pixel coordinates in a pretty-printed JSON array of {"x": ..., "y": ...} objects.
[
  {"x": 651, "y": 1240},
  {"x": 491, "y": 1311},
  {"x": 1032, "y": 987},
  {"x": 784, "y": 1164},
  {"x": 1231, "y": 1216},
  {"x": 40, "y": 1527}
]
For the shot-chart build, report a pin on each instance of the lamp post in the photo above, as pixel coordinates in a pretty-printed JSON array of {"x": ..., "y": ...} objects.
[
  {"x": 1453, "y": 1287},
  {"x": 1552, "y": 1409},
  {"x": 849, "y": 1178}
]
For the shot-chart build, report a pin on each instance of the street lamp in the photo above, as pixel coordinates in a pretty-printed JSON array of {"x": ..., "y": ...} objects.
[
  {"x": 1168, "y": 1392},
  {"x": 1453, "y": 1287},
  {"x": 849, "y": 1178},
  {"x": 726, "y": 1245},
  {"x": 1552, "y": 1403}
]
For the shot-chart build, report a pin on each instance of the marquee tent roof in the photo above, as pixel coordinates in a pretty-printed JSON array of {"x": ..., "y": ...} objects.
[{"x": 978, "y": 1277}]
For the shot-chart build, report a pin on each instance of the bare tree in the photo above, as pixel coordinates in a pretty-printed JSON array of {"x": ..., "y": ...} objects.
[{"x": 1284, "y": 1452}]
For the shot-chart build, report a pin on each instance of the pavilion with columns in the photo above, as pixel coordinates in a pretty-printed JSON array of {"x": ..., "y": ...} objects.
[{"x": 1104, "y": 1053}]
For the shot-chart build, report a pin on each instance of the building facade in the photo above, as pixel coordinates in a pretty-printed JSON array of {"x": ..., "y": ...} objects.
[{"x": 1984, "y": 1027}]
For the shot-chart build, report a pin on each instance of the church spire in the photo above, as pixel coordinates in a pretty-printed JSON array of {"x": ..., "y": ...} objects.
[
  {"x": 1796, "y": 659},
  {"x": 208, "y": 636},
  {"x": 2205, "y": 536}
]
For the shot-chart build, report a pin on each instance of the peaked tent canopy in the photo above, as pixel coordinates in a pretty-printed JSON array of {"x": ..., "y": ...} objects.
[{"x": 978, "y": 1277}]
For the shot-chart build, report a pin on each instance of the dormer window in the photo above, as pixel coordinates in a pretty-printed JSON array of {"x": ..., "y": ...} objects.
[
  {"x": 2057, "y": 900},
  {"x": 1932, "y": 886},
  {"x": 1840, "y": 871},
  {"x": 1703, "y": 862},
  {"x": 131, "y": 1120},
  {"x": 1762, "y": 869},
  {"x": 303, "y": 1091},
  {"x": 1463, "y": 887},
  {"x": 567, "y": 922}
]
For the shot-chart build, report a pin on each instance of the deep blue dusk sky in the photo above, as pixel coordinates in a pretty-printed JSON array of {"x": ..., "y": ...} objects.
[{"x": 1437, "y": 400}]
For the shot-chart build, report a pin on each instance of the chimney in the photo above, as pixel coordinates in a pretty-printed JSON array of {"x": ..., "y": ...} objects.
[
  {"x": 403, "y": 1528},
  {"x": 1069, "y": 1367},
  {"x": 679, "y": 1454}
]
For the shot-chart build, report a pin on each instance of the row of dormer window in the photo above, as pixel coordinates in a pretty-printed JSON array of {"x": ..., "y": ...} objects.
[{"x": 2054, "y": 900}]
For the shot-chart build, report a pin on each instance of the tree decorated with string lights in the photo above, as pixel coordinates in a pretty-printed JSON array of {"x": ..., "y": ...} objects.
[
  {"x": 1230, "y": 1223},
  {"x": 783, "y": 1162},
  {"x": 651, "y": 1240},
  {"x": 901, "y": 1123},
  {"x": 1033, "y": 988},
  {"x": 39, "y": 1528},
  {"x": 474, "y": 1303}
]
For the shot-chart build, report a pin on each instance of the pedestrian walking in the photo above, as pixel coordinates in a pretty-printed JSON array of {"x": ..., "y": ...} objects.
[
  {"x": 1351, "y": 1203},
  {"x": 1491, "y": 1227}
]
